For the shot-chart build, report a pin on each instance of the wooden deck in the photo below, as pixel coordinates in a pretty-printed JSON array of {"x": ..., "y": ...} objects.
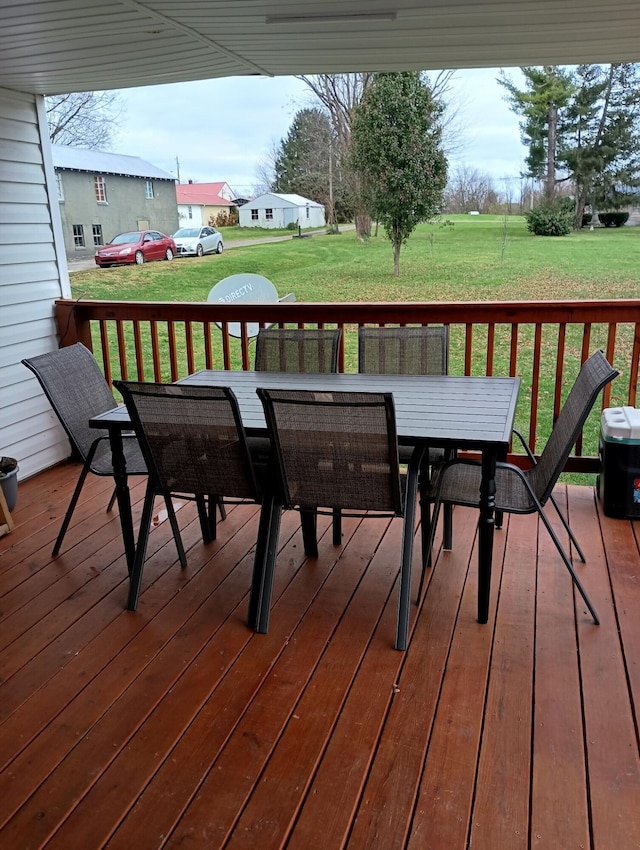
[{"x": 175, "y": 726}]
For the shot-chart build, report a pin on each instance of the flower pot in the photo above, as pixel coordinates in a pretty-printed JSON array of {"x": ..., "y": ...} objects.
[{"x": 9, "y": 480}]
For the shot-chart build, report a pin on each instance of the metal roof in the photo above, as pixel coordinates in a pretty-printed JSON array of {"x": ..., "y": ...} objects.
[
  {"x": 100, "y": 162},
  {"x": 53, "y": 46}
]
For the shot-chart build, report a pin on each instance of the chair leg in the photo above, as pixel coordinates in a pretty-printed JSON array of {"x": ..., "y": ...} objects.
[
  {"x": 173, "y": 521},
  {"x": 402, "y": 625},
  {"x": 337, "y": 526},
  {"x": 568, "y": 565},
  {"x": 71, "y": 508},
  {"x": 264, "y": 564},
  {"x": 430, "y": 532},
  {"x": 112, "y": 500},
  {"x": 223, "y": 510},
  {"x": 207, "y": 527},
  {"x": 572, "y": 536},
  {"x": 309, "y": 523},
  {"x": 135, "y": 579}
]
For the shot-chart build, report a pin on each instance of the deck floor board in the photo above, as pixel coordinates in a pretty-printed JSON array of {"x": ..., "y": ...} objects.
[{"x": 176, "y": 726}]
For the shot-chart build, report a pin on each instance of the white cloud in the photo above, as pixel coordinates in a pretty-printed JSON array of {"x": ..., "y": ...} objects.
[{"x": 222, "y": 129}]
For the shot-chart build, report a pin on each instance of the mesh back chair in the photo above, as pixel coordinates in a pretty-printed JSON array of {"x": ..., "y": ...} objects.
[
  {"x": 527, "y": 491},
  {"x": 297, "y": 350},
  {"x": 409, "y": 351},
  {"x": 77, "y": 391},
  {"x": 194, "y": 445},
  {"x": 404, "y": 351},
  {"x": 334, "y": 450}
]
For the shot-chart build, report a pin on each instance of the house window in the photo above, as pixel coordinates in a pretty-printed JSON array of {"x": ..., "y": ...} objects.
[
  {"x": 78, "y": 236},
  {"x": 268, "y": 214},
  {"x": 307, "y": 212},
  {"x": 189, "y": 212},
  {"x": 60, "y": 187},
  {"x": 148, "y": 190},
  {"x": 97, "y": 235},
  {"x": 254, "y": 215},
  {"x": 100, "y": 189}
]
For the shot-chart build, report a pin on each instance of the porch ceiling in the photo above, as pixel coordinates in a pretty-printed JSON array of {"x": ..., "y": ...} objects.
[{"x": 54, "y": 46}]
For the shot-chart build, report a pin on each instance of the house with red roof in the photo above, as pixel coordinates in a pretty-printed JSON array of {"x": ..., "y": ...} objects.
[{"x": 200, "y": 204}]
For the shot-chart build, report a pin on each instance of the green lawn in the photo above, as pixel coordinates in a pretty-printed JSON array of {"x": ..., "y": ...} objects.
[{"x": 459, "y": 258}]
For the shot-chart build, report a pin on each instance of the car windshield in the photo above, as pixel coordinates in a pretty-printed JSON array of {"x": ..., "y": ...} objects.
[
  {"x": 186, "y": 233},
  {"x": 124, "y": 238}
]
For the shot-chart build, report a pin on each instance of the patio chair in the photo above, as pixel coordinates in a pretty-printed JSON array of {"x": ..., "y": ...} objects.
[
  {"x": 298, "y": 350},
  {"x": 194, "y": 445},
  {"x": 518, "y": 491},
  {"x": 334, "y": 450},
  {"x": 77, "y": 390},
  {"x": 409, "y": 351}
]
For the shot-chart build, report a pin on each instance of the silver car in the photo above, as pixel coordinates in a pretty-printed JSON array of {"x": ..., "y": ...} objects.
[{"x": 196, "y": 241}]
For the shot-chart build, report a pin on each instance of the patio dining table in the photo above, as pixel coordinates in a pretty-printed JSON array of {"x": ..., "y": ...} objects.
[{"x": 452, "y": 412}]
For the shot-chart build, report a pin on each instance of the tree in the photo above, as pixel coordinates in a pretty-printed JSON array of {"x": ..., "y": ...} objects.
[
  {"x": 84, "y": 119},
  {"x": 600, "y": 139},
  {"x": 396, "y": 148},
  {"x": 469, "y": 189},
  {"x": 582, "y": 128},
  {"x": 548, "y": 90},
  {"x": 339, "y": 95},
  {"x": 307, "y": 164}
]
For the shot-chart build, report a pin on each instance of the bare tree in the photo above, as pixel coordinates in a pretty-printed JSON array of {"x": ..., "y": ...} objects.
[
  {"x": 265, "y": 173},
  {"x": 84, "y": 119},
  {"x": 468, "y": 189},
  {"x": 339, "y": 95}
]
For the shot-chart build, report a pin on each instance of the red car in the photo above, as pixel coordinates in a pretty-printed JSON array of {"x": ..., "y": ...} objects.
[{"x": 136, "y": 246}]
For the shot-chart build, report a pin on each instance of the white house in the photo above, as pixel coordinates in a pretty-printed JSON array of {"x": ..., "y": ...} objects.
[{"x": 279, "y": 210}]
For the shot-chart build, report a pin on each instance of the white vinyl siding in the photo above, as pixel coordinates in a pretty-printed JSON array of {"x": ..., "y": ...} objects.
[{"x": 31, "y": 275}]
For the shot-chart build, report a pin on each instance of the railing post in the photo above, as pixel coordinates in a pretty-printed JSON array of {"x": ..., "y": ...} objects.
[{"x": 71, "y": 328}]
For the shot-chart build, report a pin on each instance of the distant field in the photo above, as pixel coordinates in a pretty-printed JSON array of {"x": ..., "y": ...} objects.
[{"x": 459, "y": 258}]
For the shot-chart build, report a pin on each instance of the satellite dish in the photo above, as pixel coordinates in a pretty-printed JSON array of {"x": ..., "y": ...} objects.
[{"x": 244, "y": 289}]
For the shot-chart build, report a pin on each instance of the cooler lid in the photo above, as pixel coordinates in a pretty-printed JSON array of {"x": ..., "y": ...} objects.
[{"x": 621, "y": 423}]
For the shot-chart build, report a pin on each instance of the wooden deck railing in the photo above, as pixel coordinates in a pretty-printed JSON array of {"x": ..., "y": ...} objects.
[{"x": 543, "y": 342}]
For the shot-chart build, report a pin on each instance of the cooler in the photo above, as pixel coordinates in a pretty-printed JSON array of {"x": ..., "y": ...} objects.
[{"x": 619, "y": 480}]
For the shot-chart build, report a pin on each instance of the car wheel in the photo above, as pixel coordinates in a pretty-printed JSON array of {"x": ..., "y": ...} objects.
[
  {"x": 219, "y": 248},
  {"x": 199, "y": 251},
  {"x": 169, "y": 254},
  {"x": 139, "y": 258}
]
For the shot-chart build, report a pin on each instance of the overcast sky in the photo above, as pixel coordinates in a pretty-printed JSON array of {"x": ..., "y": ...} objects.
[{"x": 222, "y": 129}]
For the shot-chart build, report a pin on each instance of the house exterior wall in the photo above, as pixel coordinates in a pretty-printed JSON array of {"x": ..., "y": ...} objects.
[
  {"x": 126, "y": 208},
  {"x": 283, "y": 213},
  {"x": 33, "y": 273},
  {"x": 211, "y": 213},
  {"x": 190, "y": 215}
]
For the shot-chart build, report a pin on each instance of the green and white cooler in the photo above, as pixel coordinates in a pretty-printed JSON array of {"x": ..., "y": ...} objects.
[{"x": 619, "y": 479}]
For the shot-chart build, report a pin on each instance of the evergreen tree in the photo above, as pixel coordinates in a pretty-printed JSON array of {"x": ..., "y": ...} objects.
[{"x": 396, "y": 144}]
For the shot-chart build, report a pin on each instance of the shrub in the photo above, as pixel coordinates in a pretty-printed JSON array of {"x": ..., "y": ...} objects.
[
  {"x": 613, "y": 219},
  {"x": 293, "y": 225},
  {"x": 586, "y": 219},
  {"x": 551, "y": 219}
]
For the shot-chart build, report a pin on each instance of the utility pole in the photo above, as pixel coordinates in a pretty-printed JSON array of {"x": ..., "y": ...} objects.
[{"x": 178, "y": 168}]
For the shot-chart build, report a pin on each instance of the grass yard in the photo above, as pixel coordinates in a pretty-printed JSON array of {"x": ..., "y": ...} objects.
[
  {"x": 460, "y": 258},
  {"x": 479, "y": 258}
]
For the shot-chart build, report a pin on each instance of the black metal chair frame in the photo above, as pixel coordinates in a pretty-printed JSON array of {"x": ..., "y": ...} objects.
[
  {"x": 279, "y": 497},
  {"x": 293, "y": 350},
  {"x": 594, "y": 375},
  {"x": 203, "y": 403},
  {"x": 77, "y": 390},
  {"x": 411, "y": 350}
]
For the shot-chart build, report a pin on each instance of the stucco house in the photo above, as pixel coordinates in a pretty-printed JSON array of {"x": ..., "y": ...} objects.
[
  {"x": 280, "y": 210},
  {"x": 101, "y": 194},
  {"x": 201, "y": 203}
]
